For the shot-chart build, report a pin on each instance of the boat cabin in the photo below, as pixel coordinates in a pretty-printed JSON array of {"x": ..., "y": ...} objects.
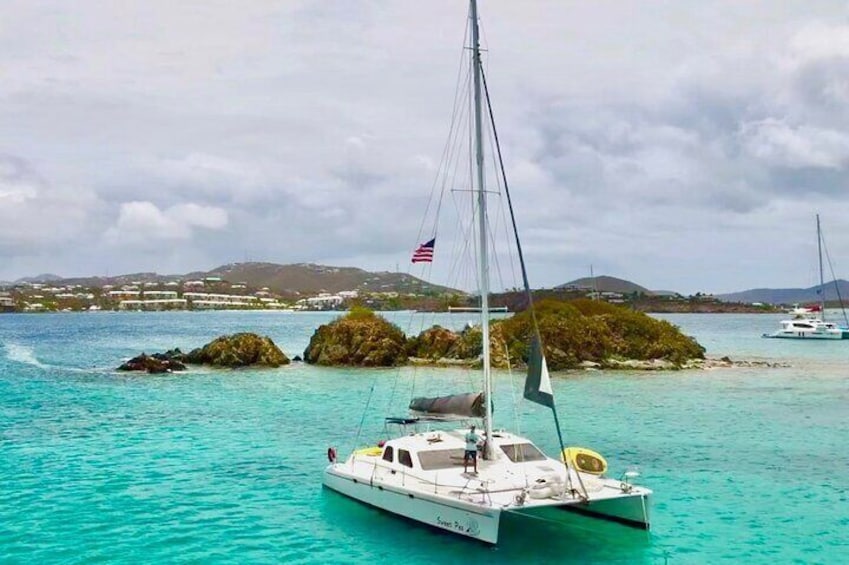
[{"x": 441, "y": 450}]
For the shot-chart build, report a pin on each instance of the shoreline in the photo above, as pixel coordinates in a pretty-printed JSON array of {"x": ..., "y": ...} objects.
[{"x": 636, "y": 365}]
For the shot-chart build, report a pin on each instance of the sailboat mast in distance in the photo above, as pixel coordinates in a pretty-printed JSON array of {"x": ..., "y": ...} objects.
[{"x": 822, "y": 282}]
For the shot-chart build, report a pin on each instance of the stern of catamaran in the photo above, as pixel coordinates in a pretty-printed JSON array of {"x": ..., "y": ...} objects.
[{"x": 631, "y": 509}]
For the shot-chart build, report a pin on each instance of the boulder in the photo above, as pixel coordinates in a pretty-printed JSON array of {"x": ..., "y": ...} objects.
[
  {"x": 156, "y": 363},
  {"x": 238, "y": 350},
  {"x": 360, "y": 339},
  {"x": 434, "y": 343}
]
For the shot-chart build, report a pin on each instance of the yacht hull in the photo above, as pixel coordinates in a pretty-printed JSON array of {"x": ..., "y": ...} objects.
[
  {"x": 630, "y": 511},
  {"x": 457, "y": 517},
  {"x": 809, "y": 335}
]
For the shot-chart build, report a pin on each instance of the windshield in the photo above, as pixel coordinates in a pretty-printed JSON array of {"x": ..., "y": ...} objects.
[
  {"x": 441, "y": 459},
  {"x": 520, "y": 452}
]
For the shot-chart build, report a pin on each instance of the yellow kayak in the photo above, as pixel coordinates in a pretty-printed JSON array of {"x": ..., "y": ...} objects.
[
  {"x": 585, "y": 460},
  {"x": 369, "y": 451}
]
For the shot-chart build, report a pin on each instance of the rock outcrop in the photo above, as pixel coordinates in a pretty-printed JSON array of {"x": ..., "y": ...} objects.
[
  {"x": 360, "y": 339},
  {"x": 239, "y": 350},
  {"x": 157, "y": 363},
  {"x": 589, "y": 333},
  {"x": 438, "y": 343}
]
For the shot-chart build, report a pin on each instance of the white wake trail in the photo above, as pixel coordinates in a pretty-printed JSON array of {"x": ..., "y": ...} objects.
[{"x": 23, "y": 354}]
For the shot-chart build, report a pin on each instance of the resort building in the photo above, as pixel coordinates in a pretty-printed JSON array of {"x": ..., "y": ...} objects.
[
  {"x": 208, "y": 300},
  {"x": 160, "y": 294},
  {"x": 161, "y": 304},
  {"x": 124, "y": 294},
  {"x": 324, "y": 301}
]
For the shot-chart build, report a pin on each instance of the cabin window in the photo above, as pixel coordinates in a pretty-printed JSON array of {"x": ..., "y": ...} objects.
[
  {"x": 404, "y": 458},
  {"x": 388, "y": 454},
  {"x": 441, "y": 459},
  {"x": 521, "y": 452}
]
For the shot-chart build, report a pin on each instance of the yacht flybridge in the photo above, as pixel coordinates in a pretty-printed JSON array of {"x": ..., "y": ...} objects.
[{"x": 419, "y": 472}]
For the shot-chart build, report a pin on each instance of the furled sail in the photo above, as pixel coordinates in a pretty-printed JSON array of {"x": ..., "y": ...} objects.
[{"x": 470, "y": 404}]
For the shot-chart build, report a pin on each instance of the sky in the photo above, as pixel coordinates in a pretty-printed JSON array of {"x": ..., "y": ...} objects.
[{"x": 683, "y": 146}]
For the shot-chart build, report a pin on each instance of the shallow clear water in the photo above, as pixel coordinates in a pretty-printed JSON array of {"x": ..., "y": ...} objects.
[{"x": 225, "y": 466}]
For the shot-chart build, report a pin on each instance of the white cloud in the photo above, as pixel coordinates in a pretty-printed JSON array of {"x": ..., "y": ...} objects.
[
  {"x": 207, "y": 175},
  {"x": 143, "y": 224},
  {"x": 36, "y": 216},
  {"x": 819, "y": 40},
  {"x": 782, "y": 145}
]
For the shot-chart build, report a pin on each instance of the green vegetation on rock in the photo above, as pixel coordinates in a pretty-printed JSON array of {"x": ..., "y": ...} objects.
[
  {"x": 239, "y": 350},
  {"x": 573, "y": 333},
  {"x": 360, "y": 338},
  {"x": 585, "y": 330},
  {"x": 437, "y": 343}
]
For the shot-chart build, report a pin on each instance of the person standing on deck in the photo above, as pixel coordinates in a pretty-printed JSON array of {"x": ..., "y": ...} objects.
[{"x": 471, "y": 454}]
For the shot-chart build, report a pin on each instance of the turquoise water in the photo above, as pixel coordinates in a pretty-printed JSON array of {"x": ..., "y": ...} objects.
[{"x": 747, "y": 464}]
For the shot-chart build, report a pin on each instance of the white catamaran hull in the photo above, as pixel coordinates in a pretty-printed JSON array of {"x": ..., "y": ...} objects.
[
  {"x": 480, "y": 524},
  {"x": 790, "y": 334},
  {"x": 810, "y": 336},
  {"x": 632, "y": 511},
  {"x": 471, "y": 504}
]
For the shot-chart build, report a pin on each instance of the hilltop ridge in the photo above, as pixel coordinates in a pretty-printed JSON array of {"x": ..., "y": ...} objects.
[
  {"x": 834, "y": 291},
  {"x": 285, "y": 280},
  {"x": 604, "y": 283}
]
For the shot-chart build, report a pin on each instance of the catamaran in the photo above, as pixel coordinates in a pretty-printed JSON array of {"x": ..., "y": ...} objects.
[
  {"x": 419, "y": 472},
  {"x": 809, "y": 322}
]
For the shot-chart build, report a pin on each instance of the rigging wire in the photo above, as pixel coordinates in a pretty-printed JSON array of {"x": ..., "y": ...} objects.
[
  {"x": 441, "y": 174},
  {"x": 523, "y": 267},
  {"x": 833, "y": 278}
]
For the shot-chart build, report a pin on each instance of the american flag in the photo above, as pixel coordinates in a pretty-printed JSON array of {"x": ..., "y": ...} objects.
[{"x": 424, "y": 252}]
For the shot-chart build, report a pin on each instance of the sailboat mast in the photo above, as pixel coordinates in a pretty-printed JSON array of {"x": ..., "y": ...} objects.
[
  {"x": 483, "y": 251},
  {"x": 822, "y": 282}
]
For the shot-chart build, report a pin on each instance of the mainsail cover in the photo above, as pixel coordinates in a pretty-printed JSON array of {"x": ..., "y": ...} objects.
[
  {"x": 538, "y": 383},
  {"x": 469, "y": 405}
]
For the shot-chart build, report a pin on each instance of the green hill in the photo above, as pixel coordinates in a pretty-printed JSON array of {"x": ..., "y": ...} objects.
[
  {"x": 307, "y": 278},
  {"x": 605, "y": 284},
  {"x": 292, "y": 280}
]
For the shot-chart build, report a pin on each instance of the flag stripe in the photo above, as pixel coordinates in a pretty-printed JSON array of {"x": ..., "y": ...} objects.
[{"x": 424, "y": 252}]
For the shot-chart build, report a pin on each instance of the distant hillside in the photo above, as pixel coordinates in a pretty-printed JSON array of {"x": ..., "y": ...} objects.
[
  {"x": 43, "y": 278},
  {"x": 788, "y": 295},
  {"x": 118, "y": 280},
  {"x": 310, "y": 278},
  {"x": 606, "y": 284},
  {"x": 302, "y": 278}
]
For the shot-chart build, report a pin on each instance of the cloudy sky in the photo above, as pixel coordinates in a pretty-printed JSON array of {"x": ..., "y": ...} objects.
[{"x": 681, "y": 145}]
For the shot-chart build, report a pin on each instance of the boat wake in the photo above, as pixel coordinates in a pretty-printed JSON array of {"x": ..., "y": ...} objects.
[{"x": 23, "y": 354}]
